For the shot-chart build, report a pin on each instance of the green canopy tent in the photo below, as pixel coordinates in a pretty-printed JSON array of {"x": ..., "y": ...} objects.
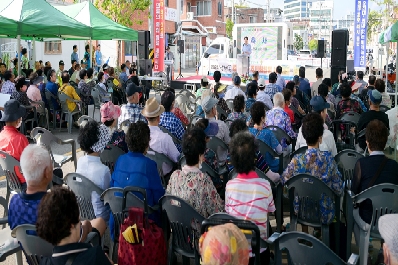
[{"x": 102, "y": 28}]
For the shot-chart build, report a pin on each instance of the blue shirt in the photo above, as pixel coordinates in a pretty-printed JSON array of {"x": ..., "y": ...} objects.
[
  {"x": 53, "y": 88},
  {"x": 305, "y": 86},
  {"x": 74, "y": 56},
  {"x": 249, "y": 103},
  {"x": 123, "y": 76},
  {"x": 271, "y": 89},
  {"x": 246, "y": 49},
  {"x": 173, "y": 124},
  {"x": 23, "y": 208},
  {"x": 363, "y": 107},
  {"x": 135, "y": 169},
  {"x": 280, "y": 81},
  {"x": 268, "y": 137},
  {"x": 98, "y": 58}
]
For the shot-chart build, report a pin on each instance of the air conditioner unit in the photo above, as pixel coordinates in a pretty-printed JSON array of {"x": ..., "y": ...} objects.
[{"x": 189, "y": 15}]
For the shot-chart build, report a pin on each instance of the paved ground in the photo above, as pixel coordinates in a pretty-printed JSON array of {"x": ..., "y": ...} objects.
[{"x": 69, "y": 167}]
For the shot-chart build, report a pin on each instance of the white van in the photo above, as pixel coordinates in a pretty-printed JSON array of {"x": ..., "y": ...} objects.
[{"x": 305, "y": 54}]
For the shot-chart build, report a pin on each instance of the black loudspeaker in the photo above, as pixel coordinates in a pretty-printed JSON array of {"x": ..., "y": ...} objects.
[
  {"x": 144, "y": 39},
  {"x": 320, "y": 52},
  {"x": 180, "y": 44},
  {"x": 340, "y": 39},
  {"x": 334, "y": 73},
  {"x": 145, "y": 66}
]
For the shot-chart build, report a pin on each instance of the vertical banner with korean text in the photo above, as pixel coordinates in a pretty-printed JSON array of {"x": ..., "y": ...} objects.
[
  {"x": 360, "y": 33},
  {"x": 158, "y": 26}
]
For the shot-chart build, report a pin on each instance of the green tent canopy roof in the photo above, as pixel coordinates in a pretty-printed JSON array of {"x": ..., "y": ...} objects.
[
  {"x": 390, "y": 34},
  {"x": 102, "y": 28},
  {"x": 37, "y": 18}
]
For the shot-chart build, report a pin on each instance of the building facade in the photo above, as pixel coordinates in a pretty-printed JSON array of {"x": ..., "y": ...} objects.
[
  {"x": 296, "y": 9},
  {"x": 321, "y": 20}
]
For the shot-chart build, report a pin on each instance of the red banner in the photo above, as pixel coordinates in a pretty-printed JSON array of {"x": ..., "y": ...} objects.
[{"x": 158, "y": 26}]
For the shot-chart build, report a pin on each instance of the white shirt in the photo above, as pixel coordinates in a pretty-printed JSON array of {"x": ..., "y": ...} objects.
[
  {"x": 264, "y": 98},
  {"x": 75, "y": 76},
  {"x": 163, "y": 143},
  {"x": 92, "y": 168},
  {"x": 233, "y": 92},
  {"x": 328, "y": 143}
]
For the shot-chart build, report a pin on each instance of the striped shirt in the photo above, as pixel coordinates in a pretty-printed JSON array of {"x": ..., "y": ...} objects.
[{"x": 250, "y": 198}]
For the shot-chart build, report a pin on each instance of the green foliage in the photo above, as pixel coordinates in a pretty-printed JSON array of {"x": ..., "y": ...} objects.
[
  {"x": 229, "y": 27},
  {"x": 298, "y": 42},
  {"x": 374, "y": 23},
  {"x": 313, "y": 45},
  {"x": 123, "y": 11}
]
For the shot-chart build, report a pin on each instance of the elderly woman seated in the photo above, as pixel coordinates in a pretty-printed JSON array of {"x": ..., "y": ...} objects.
[
  {"x": 317, "y": 163},
  {"x": 190, "y": 183},
  {"x": 374, "y": 169},
  {"x": 247, "y": 196},
  {"x": 58, "y": 223},
  {"x": 239, "y": 107}
]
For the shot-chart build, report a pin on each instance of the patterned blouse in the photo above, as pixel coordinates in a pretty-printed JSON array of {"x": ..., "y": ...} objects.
[
  {"x": 23, "y": 99},
  {"x": 236, "y": 115},
  {"x": 347, "y": 105},
  {"x": 249, "y": 104},
  {"x": 197, "y": 189},
  {"x": 278, "y": 117},
  {"x": 118, "y": 139},
  {"x": 86, "y": 92},
  {"x": 321, "y": 165},
  {"x": 212, "y": 161},
  {"x": 223, "y": 105}
]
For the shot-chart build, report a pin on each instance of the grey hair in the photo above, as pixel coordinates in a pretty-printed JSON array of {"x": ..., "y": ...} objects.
[
  {"x": 34, "y": 160},
  {"x": 278, "y": 100},
  {"x": 234, "y": 74}
]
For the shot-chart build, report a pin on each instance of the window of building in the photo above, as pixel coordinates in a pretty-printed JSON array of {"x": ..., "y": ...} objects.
[
  {"x": 166, "y": 3},
  {"x": 188, "y": 7},
  {"x": 181, "y": 8},
  {"x": 219, "y": 9},
  {"x": 252, "y": 19},
  {"x": 52, "y": 47},
  {"x": 203, "y": 8}
]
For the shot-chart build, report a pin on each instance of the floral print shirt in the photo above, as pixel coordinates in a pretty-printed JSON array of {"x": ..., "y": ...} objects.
[
  {"x": 86, "y": 91},
  {"x": 236, "y": 115},
  {"x": 319, "y": 164},
  {"x": 249, "y": 103},
  {"x": 196, "y": 188},
  {"x": 118, "y": 139},
  {"x": 347, "y": 105},
  {"x": 278, "y": 117}
]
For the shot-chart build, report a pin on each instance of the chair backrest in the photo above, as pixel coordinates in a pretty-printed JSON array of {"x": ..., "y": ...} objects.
[
  {"x": 83, "y": 120},
  {"x": 183, "y": 102},
  {"x": 33, "y": 246},
  {"x": 350, "y": 116},
  {"x": 230, "y": 104},
  {"x": 279, "y": 133},
  {"x": 159, "y": 158},
  {"x": 346, "y": 161},
  {"x": 216, "y": 142},
  {"x": 265, "y": 148},
  {"x": 116, "y": 198},
  {"x": 233, "y": 174},
  {"x": 228, "y": 122},
  {"x": 83, "y": 187},
  {"x": 309, "y": 189},
  {"x": 301, "y": 150},
  {"x": 185, "y": 223},
  {"x": 125, "y": 125},
  {"x": 62, "y": 98},
  {"x": 8, "y": 164},
  {"x": 384, "y": 199},
  {"x": 384, "y": 108},
  {"x": 194, "y": 119},
  {"x": 220, "y": 112},
  {"x": 110, "y": 155},
  {"x": 49, "y": 97},
  {"x": 188, "y": 94},
  {"x": 96, "y": 96},
  {"x": 304, "y": 249},
  {"x": 337, "y": 128},
  {"x": 175, "y": 140}
]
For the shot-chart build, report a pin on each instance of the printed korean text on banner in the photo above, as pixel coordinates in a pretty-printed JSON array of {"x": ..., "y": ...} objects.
[
  {"x": 360, "y": 29},
  {"x": 158, "y": 26}
]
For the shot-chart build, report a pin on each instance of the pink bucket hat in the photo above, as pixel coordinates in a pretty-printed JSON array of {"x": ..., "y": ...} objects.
[{"x": 109, "y": 112}]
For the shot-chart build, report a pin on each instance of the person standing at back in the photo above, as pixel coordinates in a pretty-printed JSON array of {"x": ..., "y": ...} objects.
[
  {"x": 304, "y": 84},
  {"x": 360, "y": 81},
  {"x": 247, "y": 50},
  {"x": 74, "y": 55},
  {"x": 98, "y": 58},
  {"x": 319, "y": 77},
  {"x": 280, "y": 81}
]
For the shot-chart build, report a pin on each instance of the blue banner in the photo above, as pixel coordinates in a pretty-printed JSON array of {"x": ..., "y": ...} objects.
[{"x": 360, "y": 32}]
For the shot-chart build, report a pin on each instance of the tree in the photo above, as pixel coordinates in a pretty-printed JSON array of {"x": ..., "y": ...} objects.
[
  {"x": 374, "y": 23},
  {"x": 229, "y": 25},
  {"x": 298, "y": 42},
  {"x": 313, "y": 45}
]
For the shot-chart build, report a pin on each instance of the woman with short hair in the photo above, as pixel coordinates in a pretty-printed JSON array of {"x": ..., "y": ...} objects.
[
  {"x": 347, "y": 103},
  {"x": 109, "y": 115},
  {"x": 380, "y": 86},
  {"x": 191, "y": 184},
  {"x": 58, "y": 222},
  {"x": 239, "y": 108}
]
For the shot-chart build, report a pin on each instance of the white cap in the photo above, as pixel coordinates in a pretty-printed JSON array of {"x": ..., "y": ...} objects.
[
  {"x": 388, "y": 228},
  {"x": 261, "y": 82}
]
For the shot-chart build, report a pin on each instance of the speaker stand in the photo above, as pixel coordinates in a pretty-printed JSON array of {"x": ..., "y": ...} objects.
[{"x": 179, "y": 74}]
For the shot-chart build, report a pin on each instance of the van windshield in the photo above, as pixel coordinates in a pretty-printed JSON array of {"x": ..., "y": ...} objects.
[
  {"x": 213, "y": 49},
  {"x": 305, "y": 52}
]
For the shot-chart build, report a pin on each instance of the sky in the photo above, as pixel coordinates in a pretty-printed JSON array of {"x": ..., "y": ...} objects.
[{"x": 341, "y": 8}]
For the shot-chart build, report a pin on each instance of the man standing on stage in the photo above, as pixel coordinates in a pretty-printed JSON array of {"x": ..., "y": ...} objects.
[
  {"x": 169, "y": 70},
  {"x": 247, "y": 49}
]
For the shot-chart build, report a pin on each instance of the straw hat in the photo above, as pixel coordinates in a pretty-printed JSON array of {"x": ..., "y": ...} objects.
[{"x": 152, "y": 108}]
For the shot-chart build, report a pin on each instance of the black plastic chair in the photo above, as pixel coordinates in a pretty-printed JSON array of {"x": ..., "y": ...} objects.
[
  {"x": 8, "y": 164},
  {"x": 5, "y": 237},
  {"x": 221, "y": 112},
  {"x": 305, "y": 249},
  {"x": 175, "y": 140},
  {"x": 343, "y": 137},
  {"x": 384, "y": 108},
  {"x": 185, "y": 224},
  {"x": 110, "y": 155},
  {"x": 265, "y": 148},
  {"x": 350, "y": 116},
  {"x": 119, "y": 200},
  {"x": 301, "y": 150},
  {"x": 50, "y": 97},
  {"x": 244, "y": 225},
  {"x": 309, "y": 190},
  {"x": 160, "y": 158},
  {"x": 346, "y": 161},
  {"x": 216, "y": 142}
]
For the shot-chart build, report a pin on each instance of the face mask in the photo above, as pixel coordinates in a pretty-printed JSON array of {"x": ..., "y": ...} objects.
[{"x": 19, "y": 124}]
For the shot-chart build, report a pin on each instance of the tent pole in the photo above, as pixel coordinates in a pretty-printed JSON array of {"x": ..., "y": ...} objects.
[
  {"x": 387, "y": 57},
  {"x": 396, "y": 90},
  {"x": 34, "y": 51},
  {"x": 19, "y": 54},
  {"x": 91, "y": 52}
]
